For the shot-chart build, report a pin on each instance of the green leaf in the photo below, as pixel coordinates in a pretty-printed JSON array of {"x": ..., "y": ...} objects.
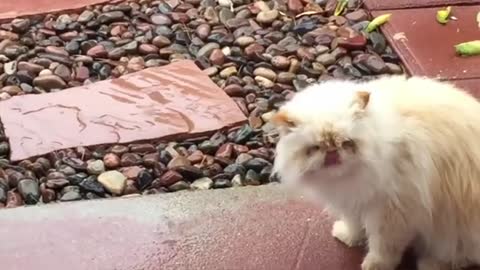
[
  {"x": 443, "y": 15},
  {"x": 378, "y": 21},
  {"x": 341, "y": 4},
  {"x": 468, "y": 48}
]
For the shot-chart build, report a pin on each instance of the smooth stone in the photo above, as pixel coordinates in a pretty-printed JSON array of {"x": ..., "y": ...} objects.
[
  {"x": 285, "y": 77},
  {"x": 71, "y": 196},
  {"x": 222, "y": 183},
  {"x": 244, "y": 41},
  {"x": 20, "y": 25},
  {"x": 280, "y": 62},
  {"x": 98, "y": 51},
  {"x": 12, "y": 90},
  {"x": 131, "y": 172},
  {"x": 91, "y": 184},
  {"x": 357, "y": 16},
  {"x": 326, "y": 59},
  {"x": 268, "y": 16},
  {"x": 86, "y": 16},
  {"x": 109, "y": 17},
  {"x": 30, "y": 67},
  {"x": 252, "y": 178},
  {"x": 95, "y": 167},
  {"x": 235, "y": 90},
  {"x": 10, "y": 68},
  {"x": 161, "y": 19},
  {"x": 266, "y": 73},
  {"x": 207, "y": 49},
  {"x": 49, "y": 82},
  {"x": 144, "y": 179},
  {"x": 202, "y": 184},
  {"x": 113, "y": 181},
  {"x": 29, "y": 190},
  {"x": 237, "y": 181},
  {"x": 178, "y": 161},
  {"x": 180, "y": 185},
  {"x": 227, "y": 72},
  {"x": 161, "y": 41},
  {"x": 169, "y": 178}
]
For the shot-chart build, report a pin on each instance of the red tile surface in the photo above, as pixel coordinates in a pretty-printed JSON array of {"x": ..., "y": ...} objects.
[
  {"x": 400, "y": 4},
  {"x": 428, "y": 47},
  {"x": 177, "y": 99},
  {"x": 251, "y": 228},
  {"x": 472, "y": 86},
  {"x": 10, "y": 9}
]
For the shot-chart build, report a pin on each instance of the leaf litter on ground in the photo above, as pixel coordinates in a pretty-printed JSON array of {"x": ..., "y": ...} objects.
[
  {"x": 469, "y": 48},
  {"x": 341, "y": 4},
  {"x": 443, "y": 15},
  {"x": 377, "y": 22}
]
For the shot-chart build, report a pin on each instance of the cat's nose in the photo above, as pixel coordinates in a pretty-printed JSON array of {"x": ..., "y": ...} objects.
[{"x": 332, "y": 157}]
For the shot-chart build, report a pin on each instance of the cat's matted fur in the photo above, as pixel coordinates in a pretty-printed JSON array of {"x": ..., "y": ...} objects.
[{"x": 396, "y": 160}]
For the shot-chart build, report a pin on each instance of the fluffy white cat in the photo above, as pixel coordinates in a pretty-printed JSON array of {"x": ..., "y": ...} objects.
[{"x": 396, "y": 160}]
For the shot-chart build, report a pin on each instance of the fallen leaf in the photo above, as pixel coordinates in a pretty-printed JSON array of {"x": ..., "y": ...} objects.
[
  {"x": 341, "y": 4},
  {"x": 306, "y": 13},
  {"x": 468, "y": 48},
  {"x": 478, "y": 19},
  {"x": 378, "y": 21},
  {"x": 443, "y": 15}
]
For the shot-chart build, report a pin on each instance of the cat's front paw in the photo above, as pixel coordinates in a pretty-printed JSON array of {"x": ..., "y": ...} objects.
[
  {"x": 346, "y": 235},
  {"x": 376, "y": 263}
]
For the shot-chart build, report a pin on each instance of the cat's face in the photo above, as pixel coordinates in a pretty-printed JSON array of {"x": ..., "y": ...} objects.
[{"x": 318, "y": 143}]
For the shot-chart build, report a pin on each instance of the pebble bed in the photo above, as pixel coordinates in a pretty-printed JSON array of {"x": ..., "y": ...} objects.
[{"x": 260, "y": 53}]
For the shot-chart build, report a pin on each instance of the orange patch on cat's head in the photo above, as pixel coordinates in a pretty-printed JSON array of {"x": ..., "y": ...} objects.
[
  {"x": 360, "y": 103},
  {"x": 283, "y": 119}
]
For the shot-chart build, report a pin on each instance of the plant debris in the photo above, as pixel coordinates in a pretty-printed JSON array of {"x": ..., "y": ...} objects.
[
  {"x": 378, "y": 21},
  {"x": 468, "y": 48},
  {"x": 443, "y": 15},
  {"x": 341, "y": 4}
]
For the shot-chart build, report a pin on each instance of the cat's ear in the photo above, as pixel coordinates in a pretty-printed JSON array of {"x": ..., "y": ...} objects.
[
  {"x": 363, "y": 97},
  {"x": 360, "y": 102},
  {"x": 283, "y": 121}
]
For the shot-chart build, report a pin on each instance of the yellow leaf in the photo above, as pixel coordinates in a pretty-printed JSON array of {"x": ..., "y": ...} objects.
[
  {"x": 443, "y": 15},
  {"x": 341, "y": 4},
  {"x": 307, "y": 13},
  {"x": 378, "y": 21},
  {"x": 468, "y": 48}
]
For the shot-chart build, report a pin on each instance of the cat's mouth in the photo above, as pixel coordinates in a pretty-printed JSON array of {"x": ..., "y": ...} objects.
[{"x": 332, "y": 158}]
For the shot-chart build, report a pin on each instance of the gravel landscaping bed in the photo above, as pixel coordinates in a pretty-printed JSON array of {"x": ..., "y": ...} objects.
[{"x": 260, "y": 53}]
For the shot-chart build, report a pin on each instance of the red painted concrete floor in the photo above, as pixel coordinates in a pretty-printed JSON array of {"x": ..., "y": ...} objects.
[
  {"x": 402, "y": 4},
  {"x": 427, "y": 47},
  {"x": 10, "y": 9},
  {"x": 249, "y": 228}
]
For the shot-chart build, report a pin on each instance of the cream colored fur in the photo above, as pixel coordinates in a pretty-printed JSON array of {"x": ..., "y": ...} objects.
[{"x": 414, "y": 178}]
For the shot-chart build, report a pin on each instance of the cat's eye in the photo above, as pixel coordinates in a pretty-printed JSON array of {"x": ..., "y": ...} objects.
[
  {"x": 348, "y": 144},
  {"x": 291, "y": 124},
  {"x": 312, "y": 149}
]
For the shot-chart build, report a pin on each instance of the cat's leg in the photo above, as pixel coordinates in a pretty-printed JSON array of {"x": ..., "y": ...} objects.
[
  {"x": 349, "y": 231},
  {"x": 388, "y": 237}
]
